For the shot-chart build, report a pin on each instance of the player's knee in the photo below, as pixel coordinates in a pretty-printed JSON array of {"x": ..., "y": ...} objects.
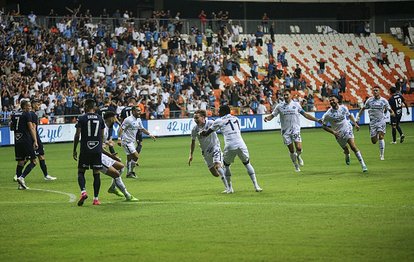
[
  {"x": 246, "y": 162},
  {"x": 226, "y": 164}
]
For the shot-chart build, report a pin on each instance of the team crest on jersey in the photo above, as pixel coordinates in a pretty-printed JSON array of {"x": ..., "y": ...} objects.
[
  {"x": 18, "y": 136},
  {"x": 92, "y": 144}
]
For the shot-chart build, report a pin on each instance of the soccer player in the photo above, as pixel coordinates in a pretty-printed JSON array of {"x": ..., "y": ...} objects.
[
  {"x": 396, "y": 102},
  {"x": 108, "y": 106},
  {"x": 90, "y": 128},
  {"x": 112, "y": 165},
  {"x": 127, "y": 137},
  {"x": 376, "y": 106},
  {"x": 210, "y": 147},
  {"x": 290, "y": 112},
  {"x": 40, "y": 153},
  {"x": 337, "y": 116},
  {"x": 126, "y": 112},
  {"x": 25, "y": 142},
  {"x": 233, "y": 145}
]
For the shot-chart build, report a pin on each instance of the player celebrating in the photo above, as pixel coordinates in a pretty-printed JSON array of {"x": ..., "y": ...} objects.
[
  {"x": 376, "y": 106},
  {"x": 112, "y": 165},
  {"x": 127, "y": 136},
  {"x": 210, "y": 147},
  {"x": 90, "y": 127},
  {"x": 40, "y": 153},
  {"x": 341, "y": 128},
  {"x": 396, "y": 102},
  {"x": 289, "y": 112},
  {"x": 233, "y": 145},
  {"x": 25, "y": 142},
  {"x": 126, "y": 112}
]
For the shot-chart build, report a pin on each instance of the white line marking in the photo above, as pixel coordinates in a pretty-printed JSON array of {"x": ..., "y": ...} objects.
[
  {"x": 262, "y": 203},
  {"x": 72, "y": 197}
]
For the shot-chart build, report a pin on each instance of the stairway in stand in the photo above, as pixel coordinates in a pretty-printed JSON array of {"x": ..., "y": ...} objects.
[{"x": 389, "y": 39}]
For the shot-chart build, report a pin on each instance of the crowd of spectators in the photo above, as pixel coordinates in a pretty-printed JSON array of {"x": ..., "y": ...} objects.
[{"x": 172, "y": 74}]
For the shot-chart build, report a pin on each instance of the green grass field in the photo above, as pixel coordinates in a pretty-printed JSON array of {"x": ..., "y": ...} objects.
[{"x": 328, "y": 212}]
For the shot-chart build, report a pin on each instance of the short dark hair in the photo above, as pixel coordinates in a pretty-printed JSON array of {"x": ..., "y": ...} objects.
[
  {"x": 34, "y": 101},
  {"x": 224, "y": 110},
  {"x": 89, "y": 103},
  {"x": 393, "y": 90},
  {"x": 109, "y": 114},
  {"x": 24, "y": 103}
]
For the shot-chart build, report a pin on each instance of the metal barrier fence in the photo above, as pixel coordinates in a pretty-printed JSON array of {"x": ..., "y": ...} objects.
[{"x": 248, "y": 26}]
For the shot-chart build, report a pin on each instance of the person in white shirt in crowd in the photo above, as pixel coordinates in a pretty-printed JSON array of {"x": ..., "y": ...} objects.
[
  {"x": 376, "y": 106},
  {"x": 210, "y": 147},
  {"x": 261, "y": 109},
  {"x": 290, "y": 112},
  {"x": 337, "y": 116},
  {"x": 234, "y": 145},
  {"x": 127, "y": 137}
]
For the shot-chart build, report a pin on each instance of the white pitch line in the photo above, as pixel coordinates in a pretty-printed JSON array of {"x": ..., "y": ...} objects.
[
  {"x": 72, "y": 197},
  {"x": 263, "y": 203}
]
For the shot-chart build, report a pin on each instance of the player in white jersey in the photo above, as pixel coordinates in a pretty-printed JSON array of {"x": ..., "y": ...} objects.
[
  {"x": 290, "y": 112},
  {"x": 376, "y": 106},
  {"x": 210, "y": 147},
  {"x": 127, "y": 138},
  {"x": 337, "y": 116},
  {"x": 112, "y": 165},
  {"x": 233, "y": 145}
]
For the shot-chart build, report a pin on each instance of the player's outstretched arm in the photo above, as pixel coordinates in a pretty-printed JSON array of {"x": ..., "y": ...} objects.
[
  {"x": 354, "y": 122},
  {"x": 359, "y": 114},
  {"x": 269, "y": 118},
  {"x": 120, "y": 131},
  {"x": 310, "y": 117},
  {"x": 190, "y": 157},
  {"x": 148, "y": 133}
]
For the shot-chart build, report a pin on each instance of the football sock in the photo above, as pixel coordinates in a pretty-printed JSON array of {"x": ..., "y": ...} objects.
[
  {"x": 121, "y": 171},
  {"x": 394, "y": 135},
  {"x": 223, "y": 177},
  {"x": 359, "y": 157},
  {"x": 82, "y": 181},
  {"x": 19, "y": 170},
  {"x": 293, "y": 156},
  {"x": 228, "y": 176},
  {"x": 43, "y": 167},
  {"x": 250, "y": 171},
  {"x": 399, "y": 130},
  {"x": 28, "y": 168},
  {"x": 111, "y": 149},
  {"x": 381, "y": 147},
  {"x": 133, "y": 164},
  {"x": 120, "y": 184},
  {"x": 96, "y": 184},
  {"x": 128, "y": 165}
]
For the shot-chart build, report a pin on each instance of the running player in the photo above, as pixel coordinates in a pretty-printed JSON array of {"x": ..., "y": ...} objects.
[
  {"x": 126, "y": 112},
  {"x": 396, "y": 102},
  {"x": 112, "y": 165},
  {"x": 210, "y": 147},
  {"x": 127, "y": 137},
  {"x": 290, "y": 112},
  {"x": 25, "y": 142},
  {"x": 90, "y": 128},
  {"x": 233, "y": 145},
  {"x": 376, "y": 106},
  {"x": 337, "y": 116}
]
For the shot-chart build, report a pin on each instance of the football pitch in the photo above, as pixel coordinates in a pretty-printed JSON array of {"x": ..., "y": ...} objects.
[{"x": 327, "y": 212}]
